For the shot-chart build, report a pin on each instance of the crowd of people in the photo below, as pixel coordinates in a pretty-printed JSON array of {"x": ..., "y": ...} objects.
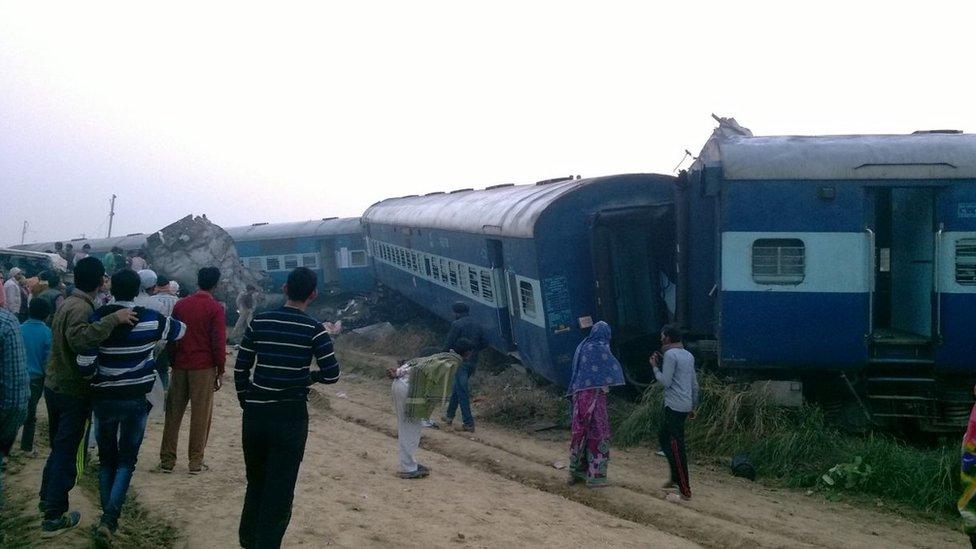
[{"x": 96, "y": 348}]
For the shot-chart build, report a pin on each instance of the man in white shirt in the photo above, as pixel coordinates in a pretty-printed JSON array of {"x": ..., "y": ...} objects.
[{"x": 12, "y": 293}]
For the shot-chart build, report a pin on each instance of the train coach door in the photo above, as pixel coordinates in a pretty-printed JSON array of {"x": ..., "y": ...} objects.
[
  {"x": 904, "y": 317},
  {"x": 330, "y": 264},
  {"x": 633, "y": 250},
  {"x": 504, "y": 310}
]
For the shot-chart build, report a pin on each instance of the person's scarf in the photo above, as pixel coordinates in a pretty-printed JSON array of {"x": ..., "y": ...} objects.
[
  {"x": 431, "y": 382},
  {"x": 967, "y": 472},
  {"x": 594, "y": 364}
]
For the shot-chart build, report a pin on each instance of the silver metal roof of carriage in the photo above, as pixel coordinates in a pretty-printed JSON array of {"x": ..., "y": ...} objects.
[
  {"x": 297, "y": 229},
  {"x": 127, "y": 242},
  {"x": 922, "y": 155},
  {"x": 506, "y": 210}
]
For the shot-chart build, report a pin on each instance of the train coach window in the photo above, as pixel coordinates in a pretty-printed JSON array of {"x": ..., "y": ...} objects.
[
  {"x": 487, "y": 290},
  {"x": 310, "y": 261},
  {"x": 291, "y": 261},
  {"x": 273, "y": 264},
  {"x": 357, "y": 258},
  {"x": 966, "y": 261},
  {"x": 474, "y": 283},
  {"x": 255, "y": 263},
  {"x": 452, "y": 273},
  {"x": 778, "y": 261},
  {"x": 527, "y": 298}
]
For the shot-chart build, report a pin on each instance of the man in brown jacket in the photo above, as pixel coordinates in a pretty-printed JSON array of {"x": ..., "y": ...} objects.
[{"x": 66, "y": 392}]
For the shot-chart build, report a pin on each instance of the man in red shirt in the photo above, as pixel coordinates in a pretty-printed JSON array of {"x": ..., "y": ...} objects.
[{"x": 198, "y": 367}]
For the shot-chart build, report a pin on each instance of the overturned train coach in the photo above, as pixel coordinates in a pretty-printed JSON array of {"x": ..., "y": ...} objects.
[
  {"x": 844, "y": 268},
  {"x": 537, "y": 264}
]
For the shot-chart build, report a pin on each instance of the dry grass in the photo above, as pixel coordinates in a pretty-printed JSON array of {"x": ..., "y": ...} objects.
[
  {"x": 797, "y": 446},
  {"x": 512, "y": 398}
]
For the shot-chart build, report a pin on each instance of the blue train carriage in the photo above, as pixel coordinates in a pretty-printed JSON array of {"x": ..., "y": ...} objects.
[
  {"x": 332, "y": 247},
  {"x": 538, "y": 264},
  {"x": 99, "y": 246},
  {"x": 844, "y": 262}
]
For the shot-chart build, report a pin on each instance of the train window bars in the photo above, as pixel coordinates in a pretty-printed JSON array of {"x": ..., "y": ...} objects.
[
  {"x": 966, "y": 261},
  {"x": 527, "y": 297},
  {"x": 487, "y": 288},
  {"x": 474, "y": 282},
  {"x": 255, "y": 263},
  {"x": 778, "y": 261},
  {"x": 291, "y": 261},
  {"x": 310, "y": 261},
  {"x": 273, "y": 264}
]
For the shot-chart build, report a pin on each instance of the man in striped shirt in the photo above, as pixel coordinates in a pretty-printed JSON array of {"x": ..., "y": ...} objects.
[
  {"x": 273, "y": 376},
  {"x": 121, "y": 371}
]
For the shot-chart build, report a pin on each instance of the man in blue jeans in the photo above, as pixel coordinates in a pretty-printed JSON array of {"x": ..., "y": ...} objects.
[
  {"x": 67, "y": 394},
  {"x": 121, "y": 371},
  {"x": 463, "y": 328}
]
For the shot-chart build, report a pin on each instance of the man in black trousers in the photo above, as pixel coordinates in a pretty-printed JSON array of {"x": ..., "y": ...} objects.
[{"x": 272, "y": 376}]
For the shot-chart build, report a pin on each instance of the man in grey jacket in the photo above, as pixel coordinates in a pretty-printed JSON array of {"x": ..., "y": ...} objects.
[{"x": 675, "y": 371}]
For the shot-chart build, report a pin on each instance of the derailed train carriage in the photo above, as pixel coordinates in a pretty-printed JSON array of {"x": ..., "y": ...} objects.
[
  {"x": 332, "y": 247},
  {"x": 847, "y": 263},
  {"x": 538, "y": 264},
  {"x": 843, "y": 267}
]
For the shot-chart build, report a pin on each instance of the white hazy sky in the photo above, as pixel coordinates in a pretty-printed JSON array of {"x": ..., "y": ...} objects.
[{"x": 281, "y": 111}]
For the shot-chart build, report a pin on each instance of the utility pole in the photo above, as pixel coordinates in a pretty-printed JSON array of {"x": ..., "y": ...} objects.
[
  {"x": 111, "y": 215},
  {"x": 23, "y": 232}
]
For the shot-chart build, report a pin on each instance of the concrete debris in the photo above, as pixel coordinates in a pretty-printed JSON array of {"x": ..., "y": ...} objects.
[
  {"x": 376, "y": 332},
  {"x": 182, "y": 248}
]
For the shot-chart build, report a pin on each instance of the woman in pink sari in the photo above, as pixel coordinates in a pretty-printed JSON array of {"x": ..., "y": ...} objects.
[{"x": 595, "y": 370}]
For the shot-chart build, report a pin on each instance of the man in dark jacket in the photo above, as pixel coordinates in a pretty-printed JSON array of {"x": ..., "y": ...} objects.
[{"x": 463, "y": 328}]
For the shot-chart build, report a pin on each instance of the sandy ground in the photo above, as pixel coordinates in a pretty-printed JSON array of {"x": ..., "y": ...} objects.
[{"x": 495, "y": 488}]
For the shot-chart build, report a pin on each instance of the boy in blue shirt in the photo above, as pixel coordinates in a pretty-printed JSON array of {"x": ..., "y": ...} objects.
[{"x": 37, "y": 344}]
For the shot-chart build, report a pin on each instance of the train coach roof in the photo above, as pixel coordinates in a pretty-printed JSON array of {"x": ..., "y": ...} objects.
[
  {"x": 500, "y": 210},
  {"x": 313, "y": 228},
  {"x": 129, "y": 242},
  {"x": 833, "y": 157}
]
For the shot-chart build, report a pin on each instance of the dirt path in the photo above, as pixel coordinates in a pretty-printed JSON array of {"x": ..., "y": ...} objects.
[
  {"x": 726, "y": 512},
  {"x": 493, "y": 489},
  {"x": 348, "y": 496}
]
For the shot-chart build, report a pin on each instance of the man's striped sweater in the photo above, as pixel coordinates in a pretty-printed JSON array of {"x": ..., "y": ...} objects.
[
  {"x": 274, "y": 359},
  {"x": 122, "y": 366}
]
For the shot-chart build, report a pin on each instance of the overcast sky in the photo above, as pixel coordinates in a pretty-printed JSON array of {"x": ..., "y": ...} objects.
[{"x": 284, "y": 111}]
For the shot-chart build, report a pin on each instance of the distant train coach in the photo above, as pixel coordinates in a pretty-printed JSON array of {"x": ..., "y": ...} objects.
[
  {"x": 537, "y": 264},
  {"x": 334, "y": 248},
  {"x": 844, "y": 262}
]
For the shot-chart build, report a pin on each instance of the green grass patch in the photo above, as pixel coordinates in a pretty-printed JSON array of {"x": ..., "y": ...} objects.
[{"x": 797, "y": 447}]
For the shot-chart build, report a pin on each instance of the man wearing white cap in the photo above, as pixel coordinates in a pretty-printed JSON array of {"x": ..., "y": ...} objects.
[
  {"x": 147, "y": 278},
  {"x": 13, "y": 292}
]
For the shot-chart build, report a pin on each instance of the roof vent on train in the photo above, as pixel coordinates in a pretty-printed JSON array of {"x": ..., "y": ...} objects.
[
  {"x": 501, "y": 186},
  {"x": 557, "y": 180},
  {"x": 133, "y": 234},
  {"x": 329, "y": 218},
  {"x": 922, "y": 132},
  {"x": 259, "y": 224},
  {"x": 435, "y": 193},
  {"x": 461, "y": 191}
]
